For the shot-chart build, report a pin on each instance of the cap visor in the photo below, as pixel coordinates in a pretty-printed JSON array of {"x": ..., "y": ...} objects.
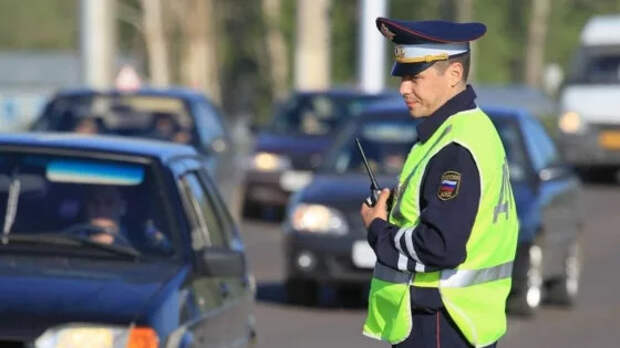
[{"x": 404, "y": 69}]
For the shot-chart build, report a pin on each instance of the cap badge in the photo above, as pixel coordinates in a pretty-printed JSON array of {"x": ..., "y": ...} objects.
[
  {"x": 399, "y": 52},
  {"x": 386, "y": 32}
]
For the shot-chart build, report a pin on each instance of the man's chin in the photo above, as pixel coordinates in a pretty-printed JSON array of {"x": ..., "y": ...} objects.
[{"x": 416, "y": 114}]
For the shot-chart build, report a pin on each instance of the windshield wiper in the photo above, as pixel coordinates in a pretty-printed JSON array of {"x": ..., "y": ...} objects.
[
  {"x": 67, "y": 240},
  {"x": 11, "y": 206}
]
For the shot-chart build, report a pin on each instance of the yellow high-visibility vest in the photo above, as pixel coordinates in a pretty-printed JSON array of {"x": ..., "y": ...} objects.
[{"x": 475, "y": 292}]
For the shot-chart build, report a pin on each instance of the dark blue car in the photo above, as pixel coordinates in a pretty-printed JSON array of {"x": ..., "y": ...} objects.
[
  {"x": 178, "y": 115},
  {"x": 293, "y": 144},
  {"x": 108, "y": 239},
  {"x": 325, "y": 241}
]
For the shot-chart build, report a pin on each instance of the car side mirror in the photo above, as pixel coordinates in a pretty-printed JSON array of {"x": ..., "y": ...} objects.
[
  {"x": 553, "y": 172},
  {"x": 219, "y": 262},
  {"x": 216, "y": 146}
]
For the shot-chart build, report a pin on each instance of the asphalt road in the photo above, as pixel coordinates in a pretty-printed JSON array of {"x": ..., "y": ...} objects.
[{"x": 593, "y": 322}]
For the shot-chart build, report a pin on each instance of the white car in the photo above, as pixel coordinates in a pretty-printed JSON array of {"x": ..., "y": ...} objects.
[{"x": 590, "y": 119}]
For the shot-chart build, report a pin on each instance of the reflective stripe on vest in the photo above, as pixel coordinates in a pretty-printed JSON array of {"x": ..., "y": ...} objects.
[
  {"x": 390, "y": 275},
  {"x": 461, "y": 278}
]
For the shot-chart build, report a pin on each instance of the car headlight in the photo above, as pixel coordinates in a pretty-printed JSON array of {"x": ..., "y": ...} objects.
[
  {"x": 570, "y": 122},
  {"x": 270, "y": 162},
  {"x": 318, "y": 218},
  {"x": 86, "y": 335}
]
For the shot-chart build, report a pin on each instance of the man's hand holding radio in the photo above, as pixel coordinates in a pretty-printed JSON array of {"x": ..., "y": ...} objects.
[{"x": 379, "y": 210}]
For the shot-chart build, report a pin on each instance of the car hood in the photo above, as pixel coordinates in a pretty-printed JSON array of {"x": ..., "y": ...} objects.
[
  {"x": 346, "y": 193},
  {"x": 296, "y": 147},
  {"x": 343, "y": 192},
  {"x": 40, "y": 294},
  {"x": 595, "y": 103}
]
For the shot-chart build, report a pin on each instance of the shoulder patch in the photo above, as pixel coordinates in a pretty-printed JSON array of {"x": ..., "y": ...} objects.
[{"x": 449, "y": 185}]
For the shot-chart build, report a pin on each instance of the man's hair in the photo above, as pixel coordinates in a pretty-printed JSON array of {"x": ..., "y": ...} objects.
[{"x": 463, "y": 59}]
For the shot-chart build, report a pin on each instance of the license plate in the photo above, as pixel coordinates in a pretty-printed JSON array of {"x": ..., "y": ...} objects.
[
  {"x": 609, "y": 140},
  {"x": 363, "y": 255}
]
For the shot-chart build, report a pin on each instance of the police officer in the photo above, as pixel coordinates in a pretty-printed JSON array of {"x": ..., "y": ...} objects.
[{"x": 445, "y": 248}]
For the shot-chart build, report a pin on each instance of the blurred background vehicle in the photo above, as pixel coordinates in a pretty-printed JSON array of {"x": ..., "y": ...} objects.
[
  {"x": 176, "y": 115},
  {"x": 521, "y": 96},
  {"x": 292, "y": 145},
  {"x": 590, "y": 121},
  {"x": 325, "y": 242},
  {"x": 111, "y": 239}
]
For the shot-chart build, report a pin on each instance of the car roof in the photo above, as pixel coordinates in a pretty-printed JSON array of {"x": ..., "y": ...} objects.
[
  {"x": 601, "y": 30},
  {"x": 175, "y": 92},
  {"x": 343, "y": 92},
  {"x": 163, "y": 151}
]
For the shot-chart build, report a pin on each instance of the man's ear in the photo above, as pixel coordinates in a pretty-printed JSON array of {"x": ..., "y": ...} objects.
[{"x": 455, "y": 73}]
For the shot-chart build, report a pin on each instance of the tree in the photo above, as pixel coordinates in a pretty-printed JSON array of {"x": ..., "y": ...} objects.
[
  {"x": 535, "y": 50},
  {"x": 199, "y": 66},
  {"x": 276, "y": 46},
  {"x": 156, "y": 41},
  {"x": 312, "y": 45},
  {"x": 465, "y": 13}
]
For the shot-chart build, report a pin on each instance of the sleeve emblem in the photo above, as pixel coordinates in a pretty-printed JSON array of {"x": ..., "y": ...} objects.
[{"x": 449, "y": 185}]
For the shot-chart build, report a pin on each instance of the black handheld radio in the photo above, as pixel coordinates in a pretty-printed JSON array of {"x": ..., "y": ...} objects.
[{"x": 375, "y": 190}]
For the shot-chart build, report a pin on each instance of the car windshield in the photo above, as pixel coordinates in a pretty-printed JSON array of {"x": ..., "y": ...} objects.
[
  {"x": 146, "y": 116},
  {"x": 597, "y": 65},
  {"x": 317, "y": 114},
  {"x": 386, "y": 143},
  {"x": 510, "y": 134},
  {"x": 45, "y": 198}
]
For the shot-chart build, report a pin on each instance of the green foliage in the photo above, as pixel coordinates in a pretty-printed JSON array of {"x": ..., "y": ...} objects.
[
  {"x": 38, "y": 25},
  {"x": 244, "y": 69},
  {"x": 344, "y": 38}
]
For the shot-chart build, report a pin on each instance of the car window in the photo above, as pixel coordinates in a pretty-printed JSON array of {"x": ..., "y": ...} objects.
[
  {"x": 225, "y": 219},
  {"x": 206, "y": 219},
  {"x": 386, "y": 143},
  {"x": 152, "y": 117},
  {"x": 542, "y": 148},
  {"x": 516, "y": 154},
  {"x": 210, "y": 124},
  {"x": 107, "y": 202},
  {"x": 317, "y": 114},
  {"x": 596, "y": 65}
]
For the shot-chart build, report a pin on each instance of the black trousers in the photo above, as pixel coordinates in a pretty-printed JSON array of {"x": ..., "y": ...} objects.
[{"x": 434, "y": 330}]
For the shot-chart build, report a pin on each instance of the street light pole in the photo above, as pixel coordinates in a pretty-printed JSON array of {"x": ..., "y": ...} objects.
[{"x": 371, "y": 68}]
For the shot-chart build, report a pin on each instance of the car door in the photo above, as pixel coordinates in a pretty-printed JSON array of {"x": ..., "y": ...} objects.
[
  {"x": 218, "y": 272},
  {"x": 558, "y": 190},
  {"x": 239, "y": 291}
]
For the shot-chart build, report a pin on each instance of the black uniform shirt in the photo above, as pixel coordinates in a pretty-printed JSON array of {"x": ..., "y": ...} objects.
[{"x": 445, "y": 225}]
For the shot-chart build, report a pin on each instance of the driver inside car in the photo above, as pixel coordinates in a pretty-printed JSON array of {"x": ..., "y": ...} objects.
[{"x": 104, "y": 209}]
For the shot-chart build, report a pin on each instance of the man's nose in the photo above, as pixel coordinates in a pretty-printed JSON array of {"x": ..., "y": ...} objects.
[{"x": 405, "y": 86}]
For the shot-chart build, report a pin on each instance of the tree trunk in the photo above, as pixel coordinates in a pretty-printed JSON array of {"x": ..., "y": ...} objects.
[
  {"x": 464, "y": 12},
  {"x": 156, "y": 45},
  {"x": 276, "y": 47},
  {"x": 199, "y": 59},
  {"x": 537, "y": 32},
  {"x": 312, "y": 51}
]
